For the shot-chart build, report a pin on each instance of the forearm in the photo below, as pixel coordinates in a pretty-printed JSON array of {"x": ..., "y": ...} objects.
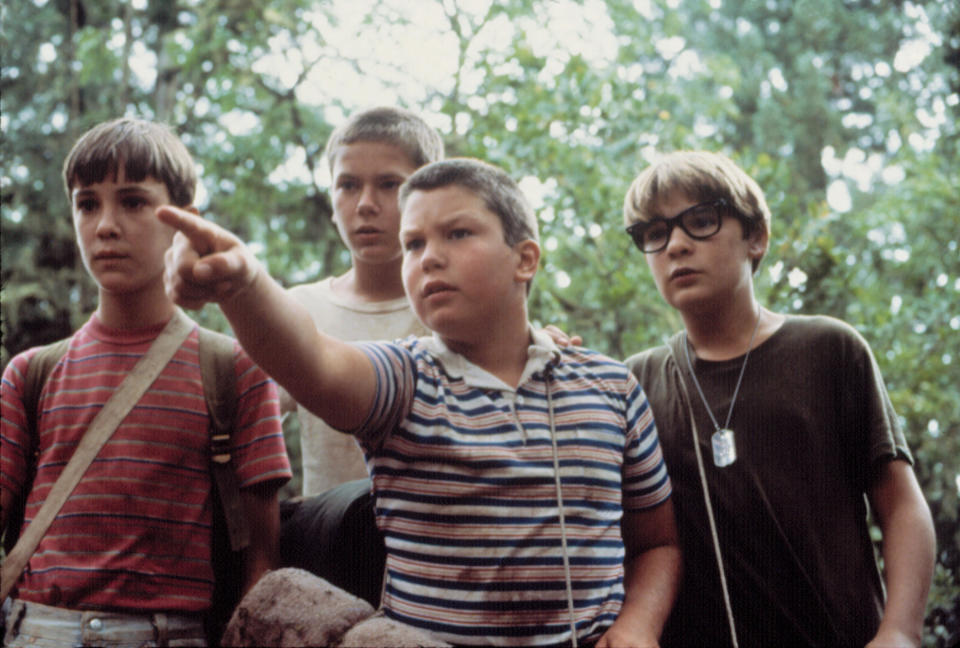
[
  {"x": 651, "y": 577},
  {"x": 331, "y": 378},
  {"x": 262, "y": 510},
  {"x": 908, "y": 558},
  {"x": 274, "y": 330},
  {"x": 908, "y": 549},
  {"x": 651, "y": 581}
]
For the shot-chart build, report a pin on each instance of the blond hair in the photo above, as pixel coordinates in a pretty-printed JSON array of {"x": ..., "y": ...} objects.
[
  {"x": 389, "y": 125},
  {"x": 699, "y": 176}
]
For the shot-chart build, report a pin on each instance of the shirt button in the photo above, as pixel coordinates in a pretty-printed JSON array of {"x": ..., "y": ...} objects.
[
  {"x": 96, "y": 624},
  {"x": 519, "y": 400}
]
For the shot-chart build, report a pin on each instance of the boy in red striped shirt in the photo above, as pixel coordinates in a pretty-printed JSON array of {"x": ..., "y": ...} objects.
[{"x": 127, "y": 561}]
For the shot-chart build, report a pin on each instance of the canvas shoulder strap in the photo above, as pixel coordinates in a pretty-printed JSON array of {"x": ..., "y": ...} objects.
[
  {"x": 675, "y": 344},
  {"x": 144, "y": 372},
  {"x": 220, "y": 391}
]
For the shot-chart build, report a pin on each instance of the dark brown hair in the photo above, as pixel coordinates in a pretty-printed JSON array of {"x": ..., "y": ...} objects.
[{"x": 144, "y": 149}]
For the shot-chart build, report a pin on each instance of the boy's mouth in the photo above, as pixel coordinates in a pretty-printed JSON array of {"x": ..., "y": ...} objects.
[
  {"x": 435, "y": 287},
  {"x": 682, "y": 272},
  {"x": 102, "y": 256}
]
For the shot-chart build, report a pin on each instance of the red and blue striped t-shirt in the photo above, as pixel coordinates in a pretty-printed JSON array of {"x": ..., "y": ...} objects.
[{"x": 136, "y": 533}]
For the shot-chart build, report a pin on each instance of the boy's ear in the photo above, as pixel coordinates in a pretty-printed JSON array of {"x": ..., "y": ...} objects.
[
  {"x": 757, "y": 243},
  {"x": 528, "y": 255}
]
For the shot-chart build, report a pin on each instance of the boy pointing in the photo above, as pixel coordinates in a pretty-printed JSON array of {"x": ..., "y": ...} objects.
[{"x": 520, "y": 487}]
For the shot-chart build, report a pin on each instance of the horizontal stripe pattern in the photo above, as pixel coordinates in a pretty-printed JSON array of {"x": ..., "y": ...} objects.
[
  {"x": 464, "y": 481},
  {"x": 136, "y": 532}
]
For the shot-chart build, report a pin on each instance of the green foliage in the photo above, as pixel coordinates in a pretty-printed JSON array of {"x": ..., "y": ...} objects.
[{"x": 798, "y": 92}]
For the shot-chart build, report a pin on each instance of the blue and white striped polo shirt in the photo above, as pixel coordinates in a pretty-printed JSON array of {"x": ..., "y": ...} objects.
[{"x": 463, "y": 472}]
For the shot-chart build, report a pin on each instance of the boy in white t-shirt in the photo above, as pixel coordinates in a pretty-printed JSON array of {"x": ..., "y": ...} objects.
[
  {"x": 331, "y": 531},
  {"x": 370, "y": 156}
]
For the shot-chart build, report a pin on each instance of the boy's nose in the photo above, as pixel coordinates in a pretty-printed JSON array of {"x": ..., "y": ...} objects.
[
  {"x": 677, "y": 241},
  {"x": 432, "y": 256},
  {"x": 367, "y": 203},
  {"x": 108, "y": 224}
]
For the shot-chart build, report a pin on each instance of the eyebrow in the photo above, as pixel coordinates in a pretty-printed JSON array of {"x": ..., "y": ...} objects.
[
  {"x": 380, "y": 176},
  {"x": 126, "y": 190}
]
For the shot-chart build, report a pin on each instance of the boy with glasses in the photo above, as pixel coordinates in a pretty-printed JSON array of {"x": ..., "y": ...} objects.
[{"x": 778, "y": 432}]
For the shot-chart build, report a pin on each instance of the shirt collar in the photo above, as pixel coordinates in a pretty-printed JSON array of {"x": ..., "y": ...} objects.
[{"x": 541, "y": 352}]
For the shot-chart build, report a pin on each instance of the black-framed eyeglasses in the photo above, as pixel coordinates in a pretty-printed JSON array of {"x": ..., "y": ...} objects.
[{"x": 699, "y": 222}]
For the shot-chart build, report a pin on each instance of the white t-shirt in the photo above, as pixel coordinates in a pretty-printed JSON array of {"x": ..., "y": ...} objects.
[{"x": 331, "y": 457}]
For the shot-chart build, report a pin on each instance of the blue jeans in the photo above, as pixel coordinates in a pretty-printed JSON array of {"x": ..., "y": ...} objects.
[{"x": 43, "y": 626}]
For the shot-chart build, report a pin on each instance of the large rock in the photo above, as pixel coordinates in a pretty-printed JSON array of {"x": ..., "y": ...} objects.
[
  {"x": 292, "y": 607},
  {"x": 381, "y": 632}
]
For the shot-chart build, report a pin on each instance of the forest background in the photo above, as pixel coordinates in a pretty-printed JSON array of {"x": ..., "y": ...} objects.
[{"x": 845, "y": 111}]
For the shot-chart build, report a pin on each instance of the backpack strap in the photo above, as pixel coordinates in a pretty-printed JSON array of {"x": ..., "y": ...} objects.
[
  {"x": 220, "y": 392},
  {"x": 41, "y": 364}
]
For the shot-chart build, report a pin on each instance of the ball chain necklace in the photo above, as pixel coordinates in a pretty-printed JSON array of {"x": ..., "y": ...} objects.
[{"x": 722, "y": 441}]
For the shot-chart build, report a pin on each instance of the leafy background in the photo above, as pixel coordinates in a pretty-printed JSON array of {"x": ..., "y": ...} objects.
[{"x": 844, "y": 110}]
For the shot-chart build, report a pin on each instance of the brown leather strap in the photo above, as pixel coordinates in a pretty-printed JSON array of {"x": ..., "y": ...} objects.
[
  {"x": 101, "y": 428},
  {"x": 220, "y": 390}
]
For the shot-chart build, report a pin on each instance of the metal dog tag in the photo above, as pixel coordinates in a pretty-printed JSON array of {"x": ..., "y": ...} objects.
[{"x": 724, "y": 448}]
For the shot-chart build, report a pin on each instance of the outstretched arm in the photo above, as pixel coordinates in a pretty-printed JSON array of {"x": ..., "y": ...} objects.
[
  {"x": 206, "y": 263},
  {"x": 909, "y": 548},
  {"x": 651, "y": 578}
]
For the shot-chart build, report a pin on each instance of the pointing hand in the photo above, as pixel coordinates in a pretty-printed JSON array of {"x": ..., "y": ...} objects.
[{"x": 205, "y": 263}]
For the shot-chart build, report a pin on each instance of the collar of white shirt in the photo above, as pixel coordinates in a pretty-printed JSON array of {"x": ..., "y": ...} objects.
[{"x": 541, "y": 352}]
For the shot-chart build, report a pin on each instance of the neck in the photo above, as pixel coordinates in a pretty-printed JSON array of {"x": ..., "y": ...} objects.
[
  {"x": 725, "y": 334},
  {"x": 135, "y": 310},
  {"x": 371, "y": 283},
  {"x": 502, "y": 351}
]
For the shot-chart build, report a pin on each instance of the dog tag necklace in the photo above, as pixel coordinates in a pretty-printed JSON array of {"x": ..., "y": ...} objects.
[{"x": 722, "y": 440}]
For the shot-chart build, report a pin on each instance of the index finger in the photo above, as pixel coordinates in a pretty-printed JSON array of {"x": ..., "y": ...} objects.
[{"x": 201, "y": 233}]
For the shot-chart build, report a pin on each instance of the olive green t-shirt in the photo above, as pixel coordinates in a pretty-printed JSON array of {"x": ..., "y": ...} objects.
[{"x": 812, "y": 422}]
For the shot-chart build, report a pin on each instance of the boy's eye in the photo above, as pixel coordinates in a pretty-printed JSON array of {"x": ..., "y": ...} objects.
[
  {"x": 86, "y": 205},
  {"x": 701, "y": 219},
  {"x": 347, "y": 185},
  {"x": 460, "y": 233},
  {"x": 134, "y": 202},
  {"x": 390, "y": 185},
  {"x": 655, "y": 233},
  {"x": 413, "y": 244}
]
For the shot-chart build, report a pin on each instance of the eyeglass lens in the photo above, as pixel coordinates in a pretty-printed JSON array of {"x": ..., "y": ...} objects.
[{"x": 700, "y": 221}]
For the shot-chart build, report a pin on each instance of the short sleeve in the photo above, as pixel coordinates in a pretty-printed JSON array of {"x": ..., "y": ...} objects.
[
  {"x": 260, "y": 451},
  {"x": 396, "y": 372},
  {"x": 15, "y": 443},
  {"x": 646, "y": 483}
]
